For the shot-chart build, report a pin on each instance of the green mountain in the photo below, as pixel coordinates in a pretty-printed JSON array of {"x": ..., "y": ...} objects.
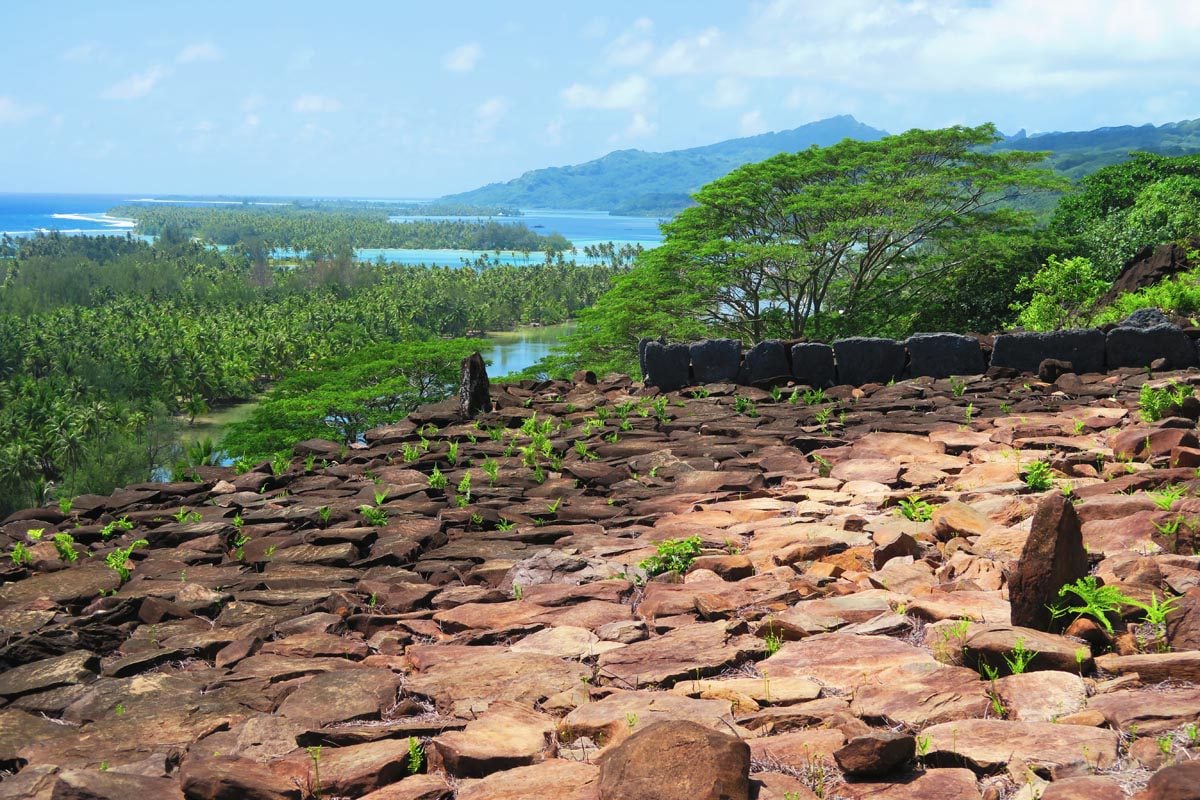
[
  {"x": 637, "y": 182},
  {"x": 1079, "y": 153}
]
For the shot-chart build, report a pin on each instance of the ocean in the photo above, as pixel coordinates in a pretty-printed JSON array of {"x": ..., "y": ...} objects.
[{"x": 26, "y": 214}]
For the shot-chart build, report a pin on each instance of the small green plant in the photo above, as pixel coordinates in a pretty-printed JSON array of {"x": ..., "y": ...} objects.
[
  {"x": 380, "y": 496},
  {"x": 1006, "y": 408},
  {"x": 674, "y": 555},
  {"x": 505, "y": 525},
  {"x": 1093, "y": 600},
  {"x": 1170, "y": 527},
  {"x": 411, "y": 452},
  {"x": 631, "y": 720},
  {"x": 612, "y": 438},
  {"x": 1019, "y": 657},
  {"x": 776, "y": 394},
  {"x": 772, "y": 641},
  {"x": 314, "y": 755},
  {"x": 20, "y": 555},
  {"x": 464, "y": 490},
  {"x": 581, "y": 448},
  {"x": 491, "y": 468},
  {"x": 822, "y": 416},
  {"x": 553, "y": 505},
  {"x": 923, "y": 741},
  {"x": 969, "y": 413},
  {"x": 517, "y": 592},
  {"x": 375, "y": 517},
  {"x": 824, "y": 467},
  {"x": 118, "y": 559},
  {"x": 35, "y": 534},
  {"x": 1038, "y": 476},
  {"x": 324, "y": 513},
  {"x": 957, "y": 386},
  {"x": 915, "y": 509},
  {"x": 744, "y": 405},
  {"x": 64, "y": 545},
  {"x": 496, "y": 433},
  {"x": 183, "y": 515},
  {"x": 452, "y": 453},
  {"x": 1167, "y": 496},
  {"x": 239, "y": 546},
  {"x": 416, "y": 755},
  {"x": 122, "y": 524},
  {"x": 1154, "y": 403},
  {"x": 436, "y": 479},
  {"x": 281, "y": 462},
  {"x": 1192, "y": 732},
  {"x": 65, "y": 504},
  {"x": 814, "y": 397},
  {"x": 1164, "y": 745},
  {"x": 700, "y": 393}
]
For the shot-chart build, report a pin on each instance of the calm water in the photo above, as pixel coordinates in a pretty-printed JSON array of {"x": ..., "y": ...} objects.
[
  {"x": 25, "y": 214},
  {"x": 513, "y": 351}
]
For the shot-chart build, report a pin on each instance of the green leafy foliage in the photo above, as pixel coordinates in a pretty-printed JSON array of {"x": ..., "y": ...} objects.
[
  {"x": 674, "y": 555},
  {"x": 64, "y": 545},
  {"x": 915, "y": 509},
  {"x": 1038, "y": 476},
  {"x": 1092, "y": 599},
  {"x": 1154, "y": 402},
  {"x": 1064, "y": 291},
  {"x": 118, "y": 559}
]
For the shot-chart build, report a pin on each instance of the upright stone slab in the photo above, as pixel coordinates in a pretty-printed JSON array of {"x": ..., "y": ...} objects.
[
  {"x": 767, "y": 363},
  {"x": 473, "y": 387},
  {"x": 1024, "y": 351},
  {"x": 716, "y": 360},
  {"x": 642, "y": 354},
  {"x": 862, "y": 360},
  {"x": 1138, "y": 347},
  {"x": 667, "y": 366},
  {"x": 940, "y": 355},
  {"x": 1053, "y": 556},
  {"x": 812, "y": 363}
]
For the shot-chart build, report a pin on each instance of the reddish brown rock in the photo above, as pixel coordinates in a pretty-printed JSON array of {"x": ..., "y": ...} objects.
[
  {"x": 676, "y": 760},
  {"x": 875, "y": 754},
  {"x": 1176, "y": 782},
  {"x": 508, "y": 735},
  {"x": 1053, "y": 557},
  {"x": 930, "y": 784},
  {"x": 225, "y": 778},
  {"x": 556, "y": 778}
]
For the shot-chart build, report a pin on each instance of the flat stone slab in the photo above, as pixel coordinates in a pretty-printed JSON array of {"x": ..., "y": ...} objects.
[
  {"x": 65, "y": 670},
  {"x": 992, "y": 745},
  {"x": 614, "y": 718},
  {"x": 919, "y": 694},
  {"x": 691, "y": 651}
]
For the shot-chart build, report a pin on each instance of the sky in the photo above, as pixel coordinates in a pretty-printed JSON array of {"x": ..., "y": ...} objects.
[{"x": 401, "y": 99}]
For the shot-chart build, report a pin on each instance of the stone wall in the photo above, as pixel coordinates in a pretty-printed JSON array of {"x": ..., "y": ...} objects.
[{"x": 1146, "y": 338}]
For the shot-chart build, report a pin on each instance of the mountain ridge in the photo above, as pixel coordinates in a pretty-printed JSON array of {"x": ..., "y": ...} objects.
[{"x": 640, "y": 182}]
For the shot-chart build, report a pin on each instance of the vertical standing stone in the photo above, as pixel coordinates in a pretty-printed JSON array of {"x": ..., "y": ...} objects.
[
  {"x": 474, "y": 388},
  {"x": 1053, "y": 557}
]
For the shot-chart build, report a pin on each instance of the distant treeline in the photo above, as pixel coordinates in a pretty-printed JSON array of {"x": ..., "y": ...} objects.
[
  {"x": 323, "y": 230},
  {"x": 105, "y": 341}
]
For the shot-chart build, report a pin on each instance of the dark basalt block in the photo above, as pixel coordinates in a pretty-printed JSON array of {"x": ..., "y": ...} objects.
[
  {"x": 667, "y": 366},
  {"x": 767, "y": 363},
  {"x": 1137, "y": 347},
  {"x": 862, "y": 360},
  {"x": 1024, "y": 351},
  {"x": 940, "y": 355},
  {"x": 716, "y": 360},
  {"x": 812, "y": 363}
]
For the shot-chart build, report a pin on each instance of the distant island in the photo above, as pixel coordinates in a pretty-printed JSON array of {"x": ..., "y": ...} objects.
[{"x": 637, "y": 183}]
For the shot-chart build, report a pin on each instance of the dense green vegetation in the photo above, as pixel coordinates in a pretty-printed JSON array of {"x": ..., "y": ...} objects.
[
  {"x": 857, "y": 238},
  {"x": 107, "y": 344},
  {"x": 326, "y": 231},
  {"x": 633, "y": 181},
  {"x": 342, "y": 397},
  {"x": 1077, "y": 154}
]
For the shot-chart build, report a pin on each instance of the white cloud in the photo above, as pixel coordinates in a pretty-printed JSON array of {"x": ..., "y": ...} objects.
[
  {"x": 463, "y": 58},
  {"x": 488, "y": 115},
  {"x": 199, "y": 51},
  {"x": 316, "y": 104},
  {"x": 640, "y": 127},
  {"x": 13, "y": 113},
  {"x": 752, "y": 123},
  {"x": 84, "y": 53},
  {"x": 632, "y": 46},
  {"x": 136, "y": 85},
  {"x": 728, "y": 93},
  {"x": 630, "y": 93},
  {"x": 554, "y": 131}
]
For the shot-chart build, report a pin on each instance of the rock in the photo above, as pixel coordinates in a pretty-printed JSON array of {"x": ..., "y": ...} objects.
[
  {"x": 565, "y": 641},
  {"x": 1183, "y": 626},
  {"x": 1139, "y": 346},
  {"x": 341, "y": 696},
  {"x": 812, "y": 364},
  {"x": 940, "y": 355},
  {"x": 1084, "y": 787},
  {"x": 993, "y": 644},
  {"x": 956, "y": 518},
  {"x": 1145, "y": 443},
  {"x": 555, "y": 778},
  {"x": 1041, "y": 696},
  {"x": 414, "y": 787},
  {"x": 1154, "y": 667},
  {"x": 862, "y": 360},
  {"x": 1024, "y": 351},
  {"x": 508, "y": 735},
  {"x": 226, "y": 778},
  {"x": 676, "y": 761},
  {"x": 691, "y": 651},
  {"x": 920, "y": 694},
  {"x": 79, "y": 784},
  {"x": 1148, "y": 713},
  {"x": 716, "y": 360},
  {"x": 891, "y": 544},
  {"x": 614, "y": 718},
  {"x": 667, "y": 366},
  {"x": 1051, "y": 369},
  {"x": 1150, "y": 265},
  {"x": 930, "y": 784},
  {"x": 1176, "y": 782},
  {"x": 988, "y": 745},
  {"x": 875, "y": 754},
  {"x": 767, "y": 363},
  {"x": 1053, "y": 557},
  {"x": 355, "y": 770},
  {"x": 70, "y": 669}
]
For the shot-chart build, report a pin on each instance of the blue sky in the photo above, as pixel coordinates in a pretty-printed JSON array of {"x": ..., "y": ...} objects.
[{"x": 401, "y": 99}]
